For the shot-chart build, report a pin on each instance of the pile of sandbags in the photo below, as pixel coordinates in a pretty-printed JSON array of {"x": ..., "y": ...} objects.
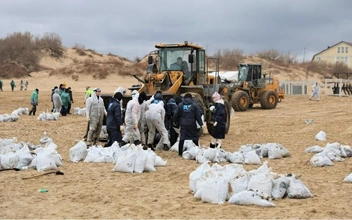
[
  {"x": 20, "y": 156},
  {"x": 79, "y": 111},
  {"x": 247, "y": 154},
  {"x": 217, "y": 184},
  {"x": 129, "y": 158},
  {"x": 332, "y": 152},
  {"x": 14, "y": 116},
  {"x": 49, "y": 116}
]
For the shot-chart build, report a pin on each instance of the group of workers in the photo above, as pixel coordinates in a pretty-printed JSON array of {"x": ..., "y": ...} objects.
[
  {"x": 62, "y": 99},
  {"x": 144, "y": 116}
]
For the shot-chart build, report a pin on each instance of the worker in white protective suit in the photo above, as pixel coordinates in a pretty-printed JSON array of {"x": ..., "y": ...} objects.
[
  {"x": 57, "y": 101},
  {"x": 315, "y": 91},
  {"x": 155, "y": 117},
  {"x": 95, "y": 111},
  {"x": 132, "y": 117}
]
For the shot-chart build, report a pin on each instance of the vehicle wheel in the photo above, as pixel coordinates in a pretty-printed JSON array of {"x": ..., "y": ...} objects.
[
  {"x": 228, "y": 114},
  {"x": 240, "y": 101},
  {"x": 268, "y": 100}
]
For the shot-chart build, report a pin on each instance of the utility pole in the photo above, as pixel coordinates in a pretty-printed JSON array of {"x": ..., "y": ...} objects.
[{"x": 304, "y": 55}]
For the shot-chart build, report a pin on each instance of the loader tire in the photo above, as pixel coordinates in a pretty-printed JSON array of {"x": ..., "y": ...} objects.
[
  {"x": 269, "y": 99},
  {"x": 240, "y": 101},
  {"x": 228, "y": 114}
]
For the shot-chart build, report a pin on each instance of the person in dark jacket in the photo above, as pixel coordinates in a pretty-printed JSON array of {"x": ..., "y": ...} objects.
[
  {"x": 171, "y": 109},
  {"x": 188, "y": 115},
  {"x": 114, "y": 120},
  {"x": 69, "y": 104},
  {"x": 219, "y": 121}
]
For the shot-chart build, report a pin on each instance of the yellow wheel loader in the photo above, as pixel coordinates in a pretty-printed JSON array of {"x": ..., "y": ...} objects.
[
  {"x": 253, "y": 87},
  {"x": 176, "y": 69}
]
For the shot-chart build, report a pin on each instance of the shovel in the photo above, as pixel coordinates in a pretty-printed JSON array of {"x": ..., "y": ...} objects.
[
  {"x": 15, "y": 169},
  {"x": 42, "y": 174}
]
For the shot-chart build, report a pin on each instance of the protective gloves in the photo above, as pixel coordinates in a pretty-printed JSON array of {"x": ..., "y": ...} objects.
[
  {"x": 215, "y": 123},
  {"x": 212, "y": 108}
]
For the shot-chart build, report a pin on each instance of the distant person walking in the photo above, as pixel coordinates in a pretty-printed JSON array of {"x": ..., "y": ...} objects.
[
  {"x": 66, "y": 100},
  {"x": 26, "y": 85},
  {"x": 315, "y": 91},
  {"x": 34, "y": 101},
  {"x": 1, "y": 84},
  {"x": 21, "y": 85},
  {"x": 13, "y": 85}
]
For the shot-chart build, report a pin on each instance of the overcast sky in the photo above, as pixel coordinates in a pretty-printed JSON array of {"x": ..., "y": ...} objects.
[{"x": 131, "y": 28}]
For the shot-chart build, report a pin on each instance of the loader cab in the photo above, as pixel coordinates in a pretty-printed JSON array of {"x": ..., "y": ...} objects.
[
  {"x": 185, "y": 57},
  {"x": 251, "y": 74}
]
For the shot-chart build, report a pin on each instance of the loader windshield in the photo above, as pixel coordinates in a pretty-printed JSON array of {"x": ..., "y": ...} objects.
[
  {"x": 242, "y": 73},
  {"x": 174, "y": 59}
]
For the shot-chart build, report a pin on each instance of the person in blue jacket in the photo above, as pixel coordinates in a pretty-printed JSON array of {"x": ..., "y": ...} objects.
[
  {"x": 219, "y": 121},
  {"x": 114, "y": 120},
  {"x": 188, "y": 115}
]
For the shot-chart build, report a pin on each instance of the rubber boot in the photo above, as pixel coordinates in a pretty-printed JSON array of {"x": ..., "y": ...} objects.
[
  {"x": 137, "y": 142},
  {"x": 166, "y": 148},
  {"x": 212, "y": 145},
  {"x": 217, "y": 146},
  {"x": 122, "y": 143},
  {"x": 30, "y": 112},
  {"x": 151, "y": 147}
]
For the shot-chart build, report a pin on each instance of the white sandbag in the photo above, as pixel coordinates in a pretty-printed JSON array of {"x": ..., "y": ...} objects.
[
  {"x": 79, "y": 111},
  {"x": 314, "y": 149},
  {"x": 190, "y": 153},
  {"x": 320, "y": 160},
  {"x": 43, "y": 162},
  {"x": 348, "y": 178},
  {"x": 9, "y": 160},
  {"x": 48, "y": 116},
  {"x": 149, "y": 164},
  {"x": 280, "y": 187},
  {"x": 200, "y": 158},
  {"x": 284, "y": 151},
  {"x": 297, "y": 189},
  {"x": 93, "y": 154},
  {"x": 195, "y": 175},
  {"x": 8, "y": 118},
  {"x": 321, "y": 136},
  {"x": 261, "y": 183},
  {"x": 215, "y": 191},
  {"x": 9, "y": 145},
  {"x": 24, "y": 157},
  {"x": 159, "y": 162},
  {"x": 274, "y": 151},
  {"x": 246, "y": 148},
  {"x": 265, "y": 149},
  {"x": 250, "y": 198},
  {"x": 201, "y": 182},
  {"x": 210, "y": 154},
  {"x": 240, "y": 183},
  {"x": 125, "y": 162},
  {"x": 78, "y": 152},
  {"x": 220, "y": 155},
  {"x": 235, "y": 157},
  {"x": 20, "y": 111},
  {"x": 251, "y": 157},
  {"x": 141, "y": 159}
]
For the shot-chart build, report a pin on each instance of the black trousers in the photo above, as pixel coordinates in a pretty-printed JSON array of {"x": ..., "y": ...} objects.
[
  {"x": 114, "y": 135},
  {"x": 33, "y": 110},
  {"x": 182, "y": 142}
]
